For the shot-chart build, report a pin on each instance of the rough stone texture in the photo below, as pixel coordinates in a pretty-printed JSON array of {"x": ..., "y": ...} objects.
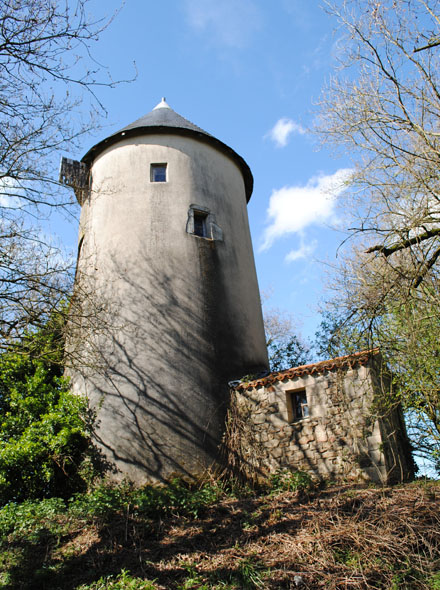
[{"x": 344, "y": 436}]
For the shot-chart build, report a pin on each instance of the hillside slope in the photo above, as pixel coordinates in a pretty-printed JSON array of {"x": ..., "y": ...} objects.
[{"x": 336, "y": 538}]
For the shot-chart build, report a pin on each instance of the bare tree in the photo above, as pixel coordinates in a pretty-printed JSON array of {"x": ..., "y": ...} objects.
[
  {"x": 46, "y": 74},
  {"x": 383, "y": 107}
]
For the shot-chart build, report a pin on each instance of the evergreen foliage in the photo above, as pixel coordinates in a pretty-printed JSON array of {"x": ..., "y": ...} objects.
[
  {"x": 44, "y": 429},
  {"x": 287, "y": 353}
]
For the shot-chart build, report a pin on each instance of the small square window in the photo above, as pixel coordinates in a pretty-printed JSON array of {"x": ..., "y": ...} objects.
[
  {"x": 297, "y": 407},
  {"x": 158, "y": 173},
  {"x": 200, "y": 224}
]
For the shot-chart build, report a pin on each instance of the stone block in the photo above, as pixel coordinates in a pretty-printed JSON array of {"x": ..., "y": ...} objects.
[
  {"x": 259, "y": 418},
  {"x": 320, "y": 434},
  {"x": 277, "y": 452},
  {"x": 272, "y": 407},
  {"x": 307, "y": 429},
  {"x": 318, "y": 410}
]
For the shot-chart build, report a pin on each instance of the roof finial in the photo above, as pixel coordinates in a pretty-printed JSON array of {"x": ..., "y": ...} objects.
[{"x": 162, "y": 105}]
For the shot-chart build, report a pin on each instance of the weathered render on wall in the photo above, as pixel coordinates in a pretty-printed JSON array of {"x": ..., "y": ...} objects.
[
  {"x": 180, "y": 312},
  {"x": 343, "y": 433}
]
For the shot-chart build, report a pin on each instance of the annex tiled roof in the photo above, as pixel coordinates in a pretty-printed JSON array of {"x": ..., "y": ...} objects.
[
  {"x": 348, "y": 361},
  {"x": 162, "y": 119}
]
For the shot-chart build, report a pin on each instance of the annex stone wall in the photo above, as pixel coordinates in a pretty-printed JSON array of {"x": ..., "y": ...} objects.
[{"x": 324, "y": 419}]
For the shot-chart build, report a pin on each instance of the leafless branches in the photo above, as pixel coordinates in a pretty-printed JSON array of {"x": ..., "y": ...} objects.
[
  {"x": 46, "y": 73},
  {"x": 383, "y": 107}
]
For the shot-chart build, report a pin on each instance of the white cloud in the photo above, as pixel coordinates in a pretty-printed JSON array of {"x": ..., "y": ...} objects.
[
  {"x": 304, "y": 251},
  {"x": 282, "y": 129},
  {"x": 10, "y": 193},
  {"x": 293, "y": 208},
  {"x": 228, "y": 22}
]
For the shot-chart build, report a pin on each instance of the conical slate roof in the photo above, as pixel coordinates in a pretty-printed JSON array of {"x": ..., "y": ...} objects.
[
  {"x": 162, "y": 119},
  {"x": 163, "y": 116}
]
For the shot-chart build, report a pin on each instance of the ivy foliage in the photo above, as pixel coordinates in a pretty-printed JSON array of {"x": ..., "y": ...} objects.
[{"x": 44, "y": 429}]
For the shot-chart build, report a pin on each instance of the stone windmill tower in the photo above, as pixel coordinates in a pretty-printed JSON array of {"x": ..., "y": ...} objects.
[{"x": 165, "y": 251}]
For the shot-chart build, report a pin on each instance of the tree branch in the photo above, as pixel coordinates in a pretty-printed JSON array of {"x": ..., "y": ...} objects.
[{"x": 387, "y": 251}]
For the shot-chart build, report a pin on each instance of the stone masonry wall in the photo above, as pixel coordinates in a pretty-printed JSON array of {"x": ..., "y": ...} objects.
[{"x": 339, "y": 439}]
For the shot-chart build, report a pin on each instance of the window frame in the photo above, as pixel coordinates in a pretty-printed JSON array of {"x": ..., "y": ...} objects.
[
  {"x": 204, "y": 214},
  {"x": 200, "y": 219},
  {"x": 297, "y": 408},
  {"x": 156, "y": 167}
]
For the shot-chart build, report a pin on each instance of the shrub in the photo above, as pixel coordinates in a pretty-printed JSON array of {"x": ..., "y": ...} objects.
[
  {"x": 31, "y": 518},
  {"x": 176, "y": 497},
  {"x": 44, "y": 429}
]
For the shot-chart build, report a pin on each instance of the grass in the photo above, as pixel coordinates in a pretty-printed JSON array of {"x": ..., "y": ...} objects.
[{"x": 213, "y": 537}]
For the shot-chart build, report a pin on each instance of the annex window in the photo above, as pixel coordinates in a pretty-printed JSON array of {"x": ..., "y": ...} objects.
[
  {"x": 297, "y": 407},
  {"x": 158, "y": 173},
  {"x": 200, "y": 224}
]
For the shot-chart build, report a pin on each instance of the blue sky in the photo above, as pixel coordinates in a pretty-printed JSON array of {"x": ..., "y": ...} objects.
[{"x": 248, "y": 72}]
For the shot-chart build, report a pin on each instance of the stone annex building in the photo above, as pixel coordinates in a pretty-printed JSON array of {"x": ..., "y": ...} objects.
[
  {"x": 323, "y": 418},
  {"x": 170, "y": 314}
]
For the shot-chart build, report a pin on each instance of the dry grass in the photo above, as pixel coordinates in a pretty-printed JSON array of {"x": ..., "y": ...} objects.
[{"x": 341, "y": 538}]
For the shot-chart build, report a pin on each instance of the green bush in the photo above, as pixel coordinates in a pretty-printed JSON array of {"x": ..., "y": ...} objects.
[
  {"x": 102, "y": 501},
  {"x": 44, "y": 429},
  {"x": 176, "y": 497},
  {"x": 150, "y": 501},
  {"x": 31, "y": 518}
]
